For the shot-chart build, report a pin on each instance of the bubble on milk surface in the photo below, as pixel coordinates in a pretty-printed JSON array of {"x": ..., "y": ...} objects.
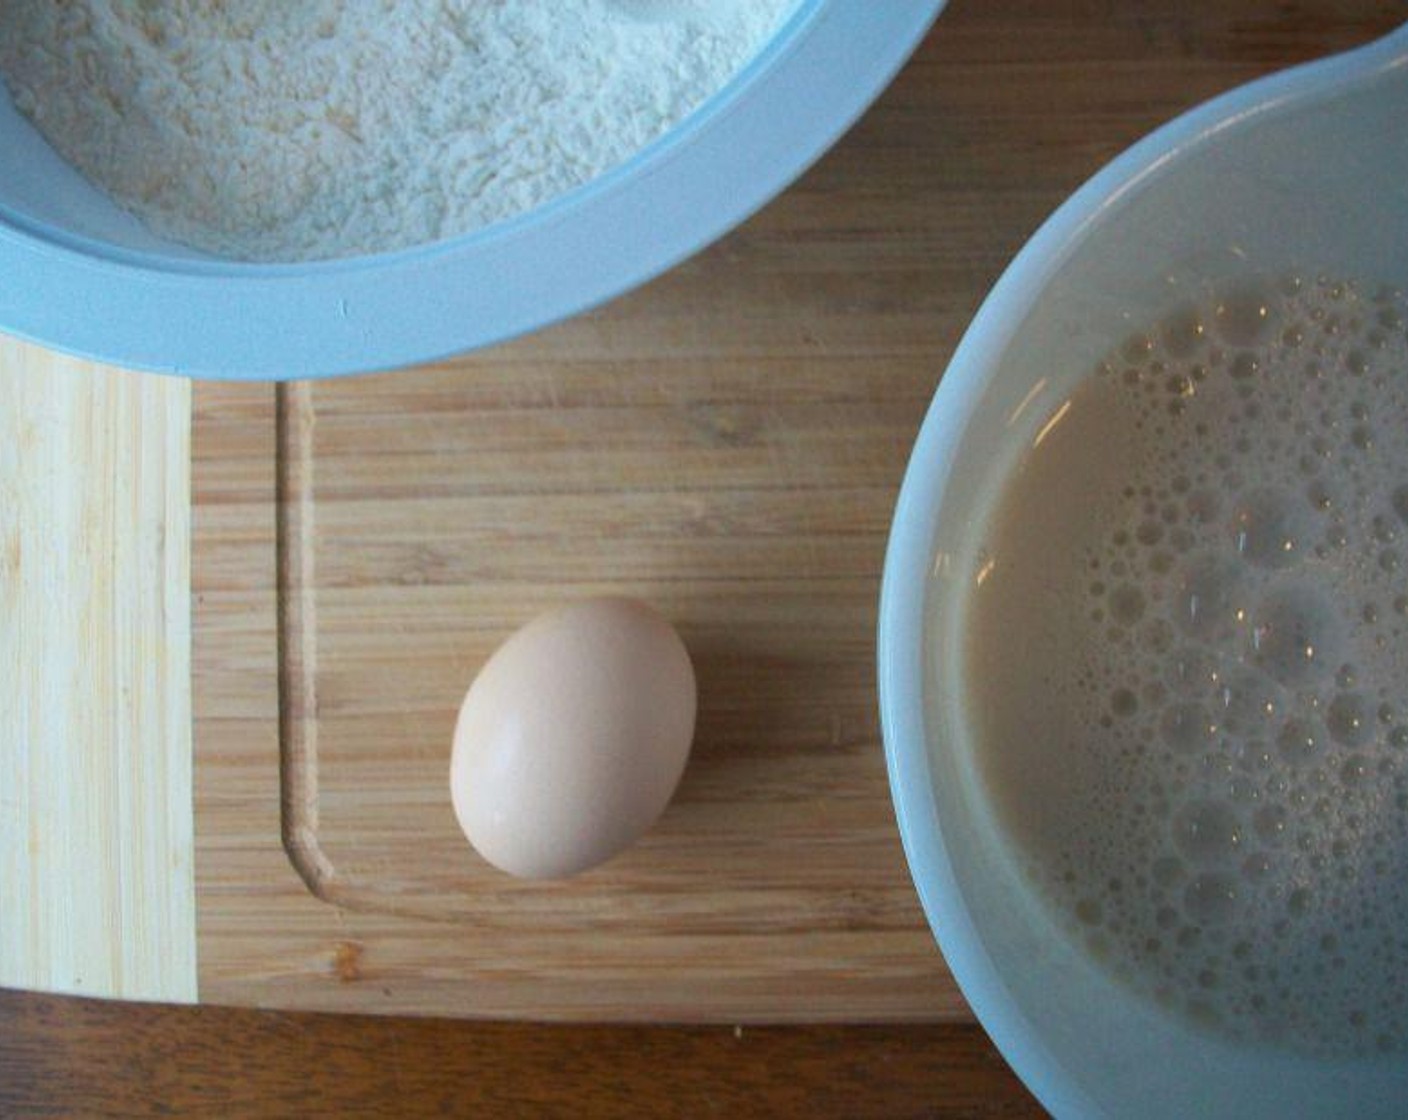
[{"x": 1248, "y": 668}]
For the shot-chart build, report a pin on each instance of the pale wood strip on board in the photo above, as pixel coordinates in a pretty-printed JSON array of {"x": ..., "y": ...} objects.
[{"x": 97, "y": 891}]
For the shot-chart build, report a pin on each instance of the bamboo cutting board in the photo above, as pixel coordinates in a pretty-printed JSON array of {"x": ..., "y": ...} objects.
[
  {"x": 424, "y": 518},
  {"x": 726, "y": 443},
  {"x": 96, "y": 878}
]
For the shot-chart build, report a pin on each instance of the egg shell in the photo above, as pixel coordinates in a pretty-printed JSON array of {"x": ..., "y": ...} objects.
[{"x": 573, "y": 737}]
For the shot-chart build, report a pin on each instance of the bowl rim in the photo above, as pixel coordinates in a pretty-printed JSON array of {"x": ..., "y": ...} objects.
[
  {"x": 246, "y": 321},
  {"x": 909, "y": 553}
]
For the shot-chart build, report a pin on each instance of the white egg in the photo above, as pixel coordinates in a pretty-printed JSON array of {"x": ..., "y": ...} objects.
[{"x": 573, "y": 737}]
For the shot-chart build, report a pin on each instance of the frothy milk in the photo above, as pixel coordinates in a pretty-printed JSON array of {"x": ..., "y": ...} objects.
[{"x": 1186, "y": 664}]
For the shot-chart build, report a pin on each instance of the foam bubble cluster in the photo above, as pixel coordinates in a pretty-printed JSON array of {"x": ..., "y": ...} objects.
[{"x": 1239, "y": 848}]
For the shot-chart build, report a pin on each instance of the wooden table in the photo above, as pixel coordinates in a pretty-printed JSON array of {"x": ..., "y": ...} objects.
[
  {"x": 1066, "y": 86},
  {"x": 61, "y": 1056}
]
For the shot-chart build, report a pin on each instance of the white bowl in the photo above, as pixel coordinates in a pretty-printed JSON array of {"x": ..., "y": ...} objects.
[
  {"x": 1309, "y": 169},
  {"x": 83, "y": 276}
]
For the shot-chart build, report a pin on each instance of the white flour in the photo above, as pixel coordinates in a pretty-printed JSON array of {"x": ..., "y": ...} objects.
[{"x": 303, "y": 129}]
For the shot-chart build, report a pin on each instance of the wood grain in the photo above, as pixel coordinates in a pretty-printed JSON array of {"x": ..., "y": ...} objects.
[
  {"x": 265, "y": 938},
  {"x": 64, "y": 1057},
  {"x": 96, "y": 872},
  {"x": 727, "y": 442}
]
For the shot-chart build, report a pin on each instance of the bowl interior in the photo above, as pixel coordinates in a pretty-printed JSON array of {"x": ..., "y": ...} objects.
[
  {"x": 149, "y": 305},
  {"x": 1292, "y": 173},
  {"x": 43, "y": 195}
]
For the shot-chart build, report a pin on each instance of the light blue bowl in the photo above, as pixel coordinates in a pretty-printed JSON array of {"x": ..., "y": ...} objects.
[
  {"x": 1306, "y": 169},
  {"x": 82, "y": 276}
]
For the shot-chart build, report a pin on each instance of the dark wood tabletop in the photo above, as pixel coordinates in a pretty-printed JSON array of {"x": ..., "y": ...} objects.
[{"x": 72, "y": 1057}]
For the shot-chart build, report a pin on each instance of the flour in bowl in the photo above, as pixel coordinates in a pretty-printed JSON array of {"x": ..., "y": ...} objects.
[{"x": 277, "y": 131}]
